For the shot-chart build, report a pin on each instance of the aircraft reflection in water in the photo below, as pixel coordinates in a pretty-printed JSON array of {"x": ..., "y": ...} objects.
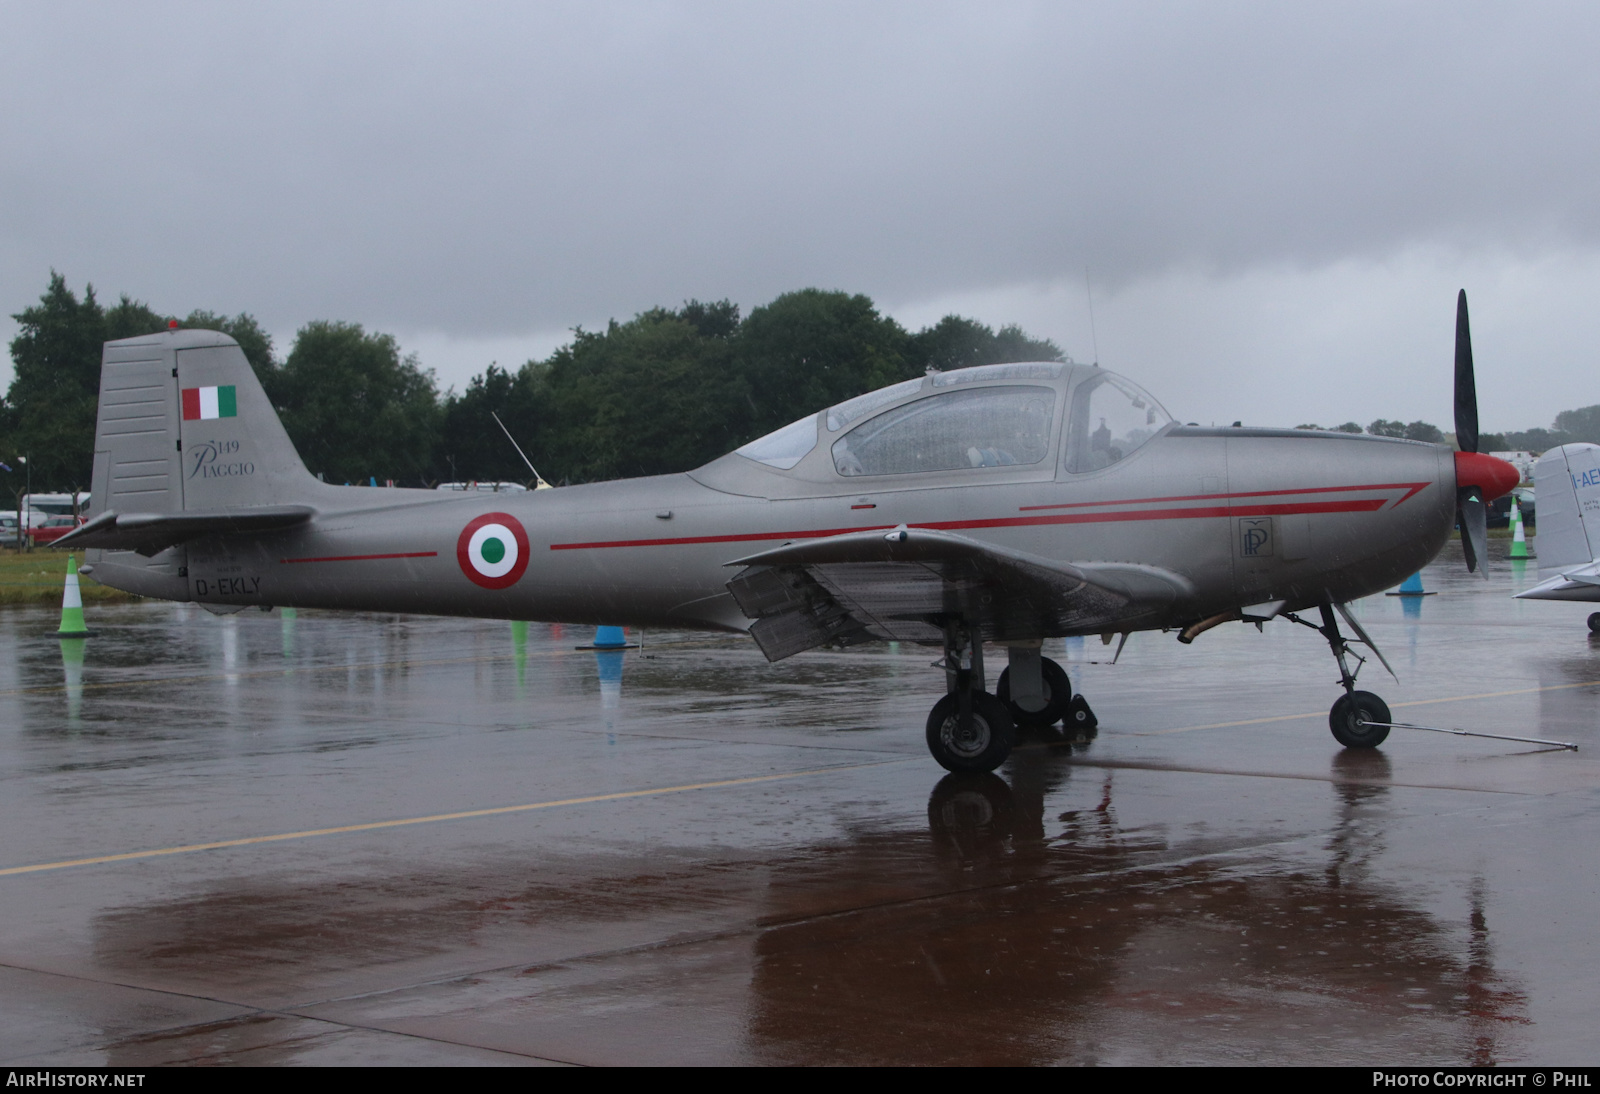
[
  {"x": 1070, "y": 940},
  {"x": 1005, "y": 504},
  {"x": 1040, "y": 937}
]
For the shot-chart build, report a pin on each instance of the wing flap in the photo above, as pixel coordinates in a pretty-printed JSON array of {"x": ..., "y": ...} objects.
[
  {"x": 906, "y": 585},
  {"x": 792, "y": 611}
]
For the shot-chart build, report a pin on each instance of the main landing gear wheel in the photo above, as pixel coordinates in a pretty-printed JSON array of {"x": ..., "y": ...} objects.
[
  {"x": 978, "y": 741},
  {"x": 1594, "y": 623},
  {"x": 1057, "y": 697},
  {"x": 1350, "y": 717}
]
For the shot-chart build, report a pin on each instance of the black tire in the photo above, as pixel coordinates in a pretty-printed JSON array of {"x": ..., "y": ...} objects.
[
  {"x": 980, "y": 742},
  {"x": 1594, "y": 623},
  {"x": 1057, "y": 694},
  {"x": 1351, "y": 711}
]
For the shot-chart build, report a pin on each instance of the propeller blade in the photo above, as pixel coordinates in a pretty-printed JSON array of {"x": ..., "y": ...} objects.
[
  {"x": 1473, "y": 516},
  {"x": 1466, "y": 385}
]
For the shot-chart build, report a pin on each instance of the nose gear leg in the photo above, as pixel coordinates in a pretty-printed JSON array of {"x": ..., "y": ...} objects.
[{"x": 1359, "y": 719}]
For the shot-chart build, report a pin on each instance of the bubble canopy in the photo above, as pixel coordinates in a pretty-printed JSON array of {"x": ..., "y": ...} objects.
[{"x": 1007, "y": 408}]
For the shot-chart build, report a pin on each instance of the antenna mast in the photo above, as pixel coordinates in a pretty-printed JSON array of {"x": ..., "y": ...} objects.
[
  {"x": 538, "y": 479},
  {"x": 1094, "y": 337}
]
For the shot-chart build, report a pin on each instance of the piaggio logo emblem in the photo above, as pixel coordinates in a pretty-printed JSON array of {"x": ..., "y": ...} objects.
[{"x": 493, "y": 550}]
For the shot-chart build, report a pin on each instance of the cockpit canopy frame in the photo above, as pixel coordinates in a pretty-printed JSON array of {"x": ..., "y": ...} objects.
[{"x": 1026, "y": 421}]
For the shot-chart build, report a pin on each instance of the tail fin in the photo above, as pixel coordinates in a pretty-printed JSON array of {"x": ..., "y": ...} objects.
[
  {"x": 184, "y": 425},
  {"x": 1567, "y": 492}
]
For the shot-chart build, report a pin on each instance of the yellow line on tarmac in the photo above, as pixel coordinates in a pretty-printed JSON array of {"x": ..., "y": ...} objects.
[
  {"x": 1321, "y": 713},
  {"x": 463, "y": 815}
]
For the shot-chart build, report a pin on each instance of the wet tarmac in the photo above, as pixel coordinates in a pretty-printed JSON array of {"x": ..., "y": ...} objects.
[{"x": 263, "y": 839}]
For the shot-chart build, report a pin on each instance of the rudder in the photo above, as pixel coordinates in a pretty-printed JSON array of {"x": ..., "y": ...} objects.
[
  {"x": 1567, "y": 494},
  {"x": 184, "y": 425}
]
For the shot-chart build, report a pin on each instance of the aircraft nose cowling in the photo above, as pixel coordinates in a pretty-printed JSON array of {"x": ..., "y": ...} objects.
[{"x": 1494, "y": 477}]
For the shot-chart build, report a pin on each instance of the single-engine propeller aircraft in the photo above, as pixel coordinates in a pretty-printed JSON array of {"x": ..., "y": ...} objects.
[{"x": 1002, "y": 504}]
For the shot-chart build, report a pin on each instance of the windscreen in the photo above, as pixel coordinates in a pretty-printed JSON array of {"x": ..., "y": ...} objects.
[{"x": 783, "y": 448}]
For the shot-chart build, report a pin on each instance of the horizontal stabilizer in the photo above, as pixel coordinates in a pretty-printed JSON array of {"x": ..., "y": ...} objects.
[
  {"x": 1580, "y": 583},
  {"x": 151, "y": 533}
]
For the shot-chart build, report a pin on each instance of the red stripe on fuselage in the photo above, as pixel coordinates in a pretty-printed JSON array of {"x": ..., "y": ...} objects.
[
  {"x": 363, "y": 558},
  {"x": 1409, "y": 487},
  {"x": 1356, "y": 505}
]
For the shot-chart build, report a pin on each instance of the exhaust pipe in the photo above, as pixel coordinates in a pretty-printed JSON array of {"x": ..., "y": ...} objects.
[{"x": 1195, "y": 630}]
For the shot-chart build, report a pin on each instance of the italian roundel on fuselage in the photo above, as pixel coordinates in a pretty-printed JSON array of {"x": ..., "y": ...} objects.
[{"x": 493, "y": 550}]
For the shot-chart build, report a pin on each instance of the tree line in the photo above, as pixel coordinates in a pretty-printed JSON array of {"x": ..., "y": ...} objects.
[
  {"x": 1570, "y": 426},
  {"x": 665, "y": 391}
]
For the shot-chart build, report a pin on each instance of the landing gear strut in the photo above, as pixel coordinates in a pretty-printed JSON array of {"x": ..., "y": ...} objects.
[
  {"x": 972, "y": 730},
  {"x": 1357, "y": 716},
  {"x": 968, "y": 729},
  {"x": 1042, "y": 695},
  {"x": 1035, "y": 688}
]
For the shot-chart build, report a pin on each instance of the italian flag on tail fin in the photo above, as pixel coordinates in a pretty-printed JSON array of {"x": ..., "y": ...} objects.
[{"x": 204, "y": 403}]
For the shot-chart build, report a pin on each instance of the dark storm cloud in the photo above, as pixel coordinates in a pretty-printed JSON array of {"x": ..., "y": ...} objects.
[{"x": 485, "y": 170}]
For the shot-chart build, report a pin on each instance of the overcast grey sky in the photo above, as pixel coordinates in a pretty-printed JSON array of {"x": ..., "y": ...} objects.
[{"x": 1275, "y": 203}]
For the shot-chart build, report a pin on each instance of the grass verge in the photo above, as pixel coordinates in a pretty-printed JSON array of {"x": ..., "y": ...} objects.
[{"x": 36, "y": 577}]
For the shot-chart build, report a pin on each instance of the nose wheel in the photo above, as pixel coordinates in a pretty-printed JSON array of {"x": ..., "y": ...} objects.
[
  {"x": 1359, "y": 719},
  {"x": 1352, "y": 716}
]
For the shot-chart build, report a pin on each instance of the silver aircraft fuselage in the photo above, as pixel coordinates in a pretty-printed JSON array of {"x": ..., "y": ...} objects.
[{"x": 1229, "y": 516}]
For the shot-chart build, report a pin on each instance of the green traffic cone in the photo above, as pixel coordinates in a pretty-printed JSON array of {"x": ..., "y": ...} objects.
[
  {"x": 72, "y": 625},
  {"x": 519, "y": 649},
  {"x": 1519, "y": 538}
]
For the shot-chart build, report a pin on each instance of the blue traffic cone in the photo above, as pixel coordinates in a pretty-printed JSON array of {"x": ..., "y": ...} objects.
[
  {"x": 610, "y": 638},
  {"x": 1411, "y": 586},
  {"x": 609, "y": 665}
]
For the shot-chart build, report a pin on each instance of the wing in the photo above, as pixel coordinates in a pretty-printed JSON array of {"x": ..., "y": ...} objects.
[
  {"x": 151, "y": 533},
  {"x": 906, "y": 585}
]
